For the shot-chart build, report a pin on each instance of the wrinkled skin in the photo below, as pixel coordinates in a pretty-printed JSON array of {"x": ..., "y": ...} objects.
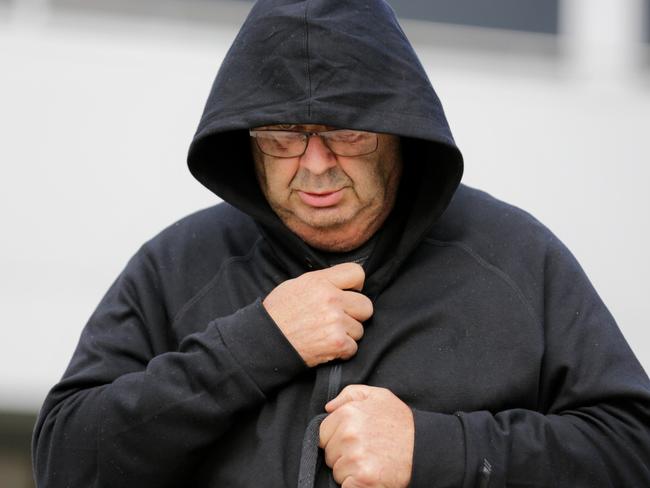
[{"x": 368, "y": 185}]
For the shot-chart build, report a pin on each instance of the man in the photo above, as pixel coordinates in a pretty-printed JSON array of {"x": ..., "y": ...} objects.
[{"x": 351, "y": 315}]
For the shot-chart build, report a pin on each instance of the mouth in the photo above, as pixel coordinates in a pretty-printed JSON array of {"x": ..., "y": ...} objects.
[{"x": 321, "y": 199}]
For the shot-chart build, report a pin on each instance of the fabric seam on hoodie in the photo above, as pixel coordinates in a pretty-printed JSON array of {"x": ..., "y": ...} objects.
[
  {"x": 308, "y": 61},
  {"x": 153, "y": 415},
  {"x": 458, "y": 416},
  {"x": 211, "y": 283},
  {"x": 490, "y": 267},
  {"x": 239, "y": 364}
]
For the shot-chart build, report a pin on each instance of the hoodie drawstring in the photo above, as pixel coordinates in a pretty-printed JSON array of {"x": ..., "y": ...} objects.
[{"x": 309, "y": 453}]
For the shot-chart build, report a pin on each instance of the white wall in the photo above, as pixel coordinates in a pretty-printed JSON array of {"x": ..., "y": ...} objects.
[{"x": 96, "y": 114}]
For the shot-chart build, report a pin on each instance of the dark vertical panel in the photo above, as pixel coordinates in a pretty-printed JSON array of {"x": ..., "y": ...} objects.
[{"x": 524, "y": 15}]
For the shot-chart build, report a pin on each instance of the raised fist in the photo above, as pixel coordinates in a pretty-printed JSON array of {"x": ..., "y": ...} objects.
[{"x": 320, "y": 313}]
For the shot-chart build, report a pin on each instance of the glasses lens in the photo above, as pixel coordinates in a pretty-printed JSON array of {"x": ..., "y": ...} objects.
[
  {"x": 279, "y": 143},
  {"x": 290, "y": 144},
  {"x": 350, "y": 142}
]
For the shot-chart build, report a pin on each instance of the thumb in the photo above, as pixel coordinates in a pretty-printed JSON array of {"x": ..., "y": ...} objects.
[
  {"x": 351, "y": 393},
  {"x": 345, "y": 276}
]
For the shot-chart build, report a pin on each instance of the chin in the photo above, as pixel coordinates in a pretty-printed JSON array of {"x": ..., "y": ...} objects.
[
  {"x": 331, "y": 231},
  {"x": 333, "y": 238},
  {"x": 334, "y": 246},
  {"x": 325, "y": 220}
]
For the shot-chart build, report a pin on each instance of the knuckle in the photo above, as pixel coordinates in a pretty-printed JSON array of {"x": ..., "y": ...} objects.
[
  {"x": 385, "y": 392},
  {"x": 332, "y": 299},
  {"x": 349, "y": 349},
  {"x": 339, "y": 341},
  {"x": 349, "y": 413},
  {"x": 365, "y": 474},
  {"x": 310, "y": 279},
  {"x": 350, "y": 436},
  {"x": 356, "y": 455},
  {"x": 335, "y": 316},
  {"x": 351, "y": 389}
]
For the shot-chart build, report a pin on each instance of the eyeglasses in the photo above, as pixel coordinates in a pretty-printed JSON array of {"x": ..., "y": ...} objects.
[{"x": 293, "y": 143}]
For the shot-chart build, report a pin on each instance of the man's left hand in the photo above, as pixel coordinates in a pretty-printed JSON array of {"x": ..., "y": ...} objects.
[{"x": 368, "y": 438}]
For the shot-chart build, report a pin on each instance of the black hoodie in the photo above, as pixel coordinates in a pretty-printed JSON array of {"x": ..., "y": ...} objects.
[{"x": 483, "y": 322}]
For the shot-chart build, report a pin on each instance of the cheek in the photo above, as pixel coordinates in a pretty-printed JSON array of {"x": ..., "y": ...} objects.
[
  {"x": 371, "y": 188},
  {"x": 372, "y": 184},
  {"x": 278, "y": 178}
]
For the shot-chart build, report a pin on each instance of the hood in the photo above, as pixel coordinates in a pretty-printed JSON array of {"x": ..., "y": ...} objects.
[{"x": 340, "y": 63}]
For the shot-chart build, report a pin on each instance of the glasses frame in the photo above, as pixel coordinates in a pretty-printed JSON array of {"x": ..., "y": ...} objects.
[{"x": 308, "y": 134}]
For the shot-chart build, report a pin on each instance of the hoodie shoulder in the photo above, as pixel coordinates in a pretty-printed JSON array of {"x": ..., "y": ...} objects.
[
  {"x": 483, "y": 221},
  {"x": 220, "y": 229},
  {"x": 506, "y": 240},
  {"x": 186, "y": 255}
]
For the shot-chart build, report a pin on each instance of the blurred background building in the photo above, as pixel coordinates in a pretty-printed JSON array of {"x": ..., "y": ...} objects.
[{"x": 99, "y": 99}]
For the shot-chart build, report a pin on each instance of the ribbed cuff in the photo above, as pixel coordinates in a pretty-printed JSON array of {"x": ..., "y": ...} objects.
[
  {"x": 259, "y": 346},
  {"x": 439, "y": 451}
]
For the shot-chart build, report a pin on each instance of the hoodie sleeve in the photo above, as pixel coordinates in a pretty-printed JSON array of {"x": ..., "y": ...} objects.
[
  {"x": 592, "y": 425},
  {"x": 126, "y": 414}
]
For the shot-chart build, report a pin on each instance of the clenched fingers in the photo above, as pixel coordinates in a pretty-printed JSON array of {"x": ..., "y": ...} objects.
[
  {"x": 357, "y": 305},
  {"x": 354, "y": 329},
  {"x": 368, "y": 438},
  {"x": 352, "y": 393}
]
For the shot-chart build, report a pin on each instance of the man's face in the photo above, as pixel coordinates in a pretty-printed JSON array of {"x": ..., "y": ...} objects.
[{"x": 334, "y": 203}]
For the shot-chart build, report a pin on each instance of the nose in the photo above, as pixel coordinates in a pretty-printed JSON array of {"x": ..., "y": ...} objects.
[{"x": 317, "y": 157}]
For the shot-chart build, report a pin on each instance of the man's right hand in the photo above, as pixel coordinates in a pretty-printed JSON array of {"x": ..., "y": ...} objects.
[{"x": 320, "y": 313}]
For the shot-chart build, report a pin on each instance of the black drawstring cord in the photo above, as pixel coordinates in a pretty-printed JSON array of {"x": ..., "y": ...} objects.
[{"x": 309, "y": 453}]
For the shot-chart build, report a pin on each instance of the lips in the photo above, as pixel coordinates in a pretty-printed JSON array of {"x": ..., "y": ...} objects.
[{"x": 321, "y": 199}]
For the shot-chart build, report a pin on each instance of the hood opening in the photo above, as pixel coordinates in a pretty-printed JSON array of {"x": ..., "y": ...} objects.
[{"x": 337, "y": 63}]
